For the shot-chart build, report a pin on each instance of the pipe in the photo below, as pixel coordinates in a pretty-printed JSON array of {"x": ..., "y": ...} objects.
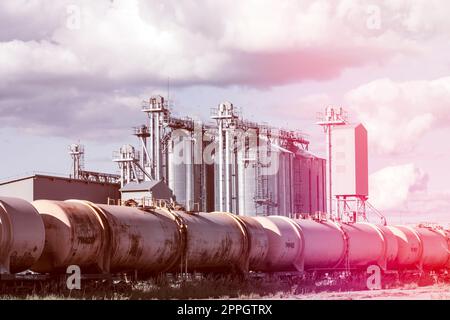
[
  {"x": 152, "y": 143},
  {"x": 330, "y": 191},
  {"x": 241, "y": 183},
  {"x": 189, "y": 174},
  {"x": 292, "y": 183},
  {"x": 227, "y": 172},
  {"x": 157, "y": 147},
  {"x": 221, "y": 166}
]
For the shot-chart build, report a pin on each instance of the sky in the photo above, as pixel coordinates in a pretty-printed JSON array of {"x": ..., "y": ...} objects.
[{"x": 77, "y": 71}]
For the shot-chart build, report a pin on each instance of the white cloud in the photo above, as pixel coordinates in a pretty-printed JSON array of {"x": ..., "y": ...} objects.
[
  {"x": 125, "y": 47},
  {"x": 392, "y": 188},
  {"x": 398, "y": 114},
  {"x": 253, "y": 42}
]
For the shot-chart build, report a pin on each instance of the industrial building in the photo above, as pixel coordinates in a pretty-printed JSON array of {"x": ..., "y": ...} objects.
[
  {"x": 92, "y": 186},
  {"x": 39, "y": 186},
  {"x": 150, "y": 189},
  {"x": 230, "y": 164}
]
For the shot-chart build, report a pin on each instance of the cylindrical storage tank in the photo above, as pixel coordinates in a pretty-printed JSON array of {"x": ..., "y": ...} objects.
[
  {"x": 258, "y": 242},
  {"x": 180, "y": 167},
  {"x": 285, "y": 244},
  {"x": 435, "y": 250},
  {"x": 300, "y": 184},
  {"x": 324, "y": 244},
  {"x": 148, "y": 242},
  {"x": 285, "y": 184},
  {"x": 22, "y": 235},
  {"x": 74, "y": 235},
  {"x": 178, "y": 186},
  {"x": 409, "y": 247},
  {"x": 215, "y": 242},
  {"x": 366, "y": 245},
  {"x": 272, "y": 174},
  {"x": 247, "y": 186}
]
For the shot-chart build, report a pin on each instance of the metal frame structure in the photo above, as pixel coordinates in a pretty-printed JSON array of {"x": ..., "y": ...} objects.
[
  {"x": 332, "y": 117},
  {"x": 157, "y": 110},
  {"x": 236, "y": 150},
  {"x": 227, "y": 118},
  {"x": 77, "y": 153},
  {"x": 128, "y": 160},
  {"x": 349, "y": 208}
]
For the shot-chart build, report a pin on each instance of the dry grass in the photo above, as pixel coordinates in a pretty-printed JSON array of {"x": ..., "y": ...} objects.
[{"x": 225, "y": 287}]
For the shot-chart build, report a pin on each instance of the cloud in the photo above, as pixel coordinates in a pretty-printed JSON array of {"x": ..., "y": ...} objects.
[
  {"x": 50, "y": 52},
  {"x": 398, "y": 114},
  {"x": 217, "y": 42},
  {"x": 254, "y": 43},
  {"x": 391, "y": 188},
  {"x": 73, "y": 114}
]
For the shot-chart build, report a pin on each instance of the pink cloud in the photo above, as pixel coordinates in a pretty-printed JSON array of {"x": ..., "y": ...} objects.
[
  {"x": 398, "y": 114},
  {"x": 252, "y": 43},
  {"x": 129, "y": 48}
]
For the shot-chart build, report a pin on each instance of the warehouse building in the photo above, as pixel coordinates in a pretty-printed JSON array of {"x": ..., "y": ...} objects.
[{"x": 39, "y": 186}]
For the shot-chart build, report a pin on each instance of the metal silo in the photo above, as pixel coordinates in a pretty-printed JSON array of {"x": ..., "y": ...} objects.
[
  {"x": 181, "y": 168},
  {"x": 248, "y": 167},
  {"x": 285, "y": 184},
  {"x": 300, "y": 184},
  {"x": 247, "y": 181}
]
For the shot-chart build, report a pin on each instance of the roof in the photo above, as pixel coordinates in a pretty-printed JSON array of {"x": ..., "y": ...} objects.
[
  {"x": 349, "y": 125},
  {"x": 142, "y": 186},
  {"x": 47, "y": 176},
  {"x": 298, "y": 151},
  {"x": 308, "y": 154}
]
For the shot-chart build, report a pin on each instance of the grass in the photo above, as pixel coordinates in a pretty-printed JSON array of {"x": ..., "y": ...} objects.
[
  {"x": 224, "y": 287},
  {"x": 192, "y": 287}
]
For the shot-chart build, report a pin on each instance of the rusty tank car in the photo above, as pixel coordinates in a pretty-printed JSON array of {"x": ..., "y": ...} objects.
[
  {"x": 102, "y": 238},
  {"x": 22, "y": 235}
]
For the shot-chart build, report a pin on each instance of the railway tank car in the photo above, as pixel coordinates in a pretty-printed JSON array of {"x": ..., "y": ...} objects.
[
  {"x": 114, "y": 239},
  {"x": 214, "y": 242},
  {"x": 369, "y": 244},
  {"x": 420, "y": 248},
  {"x": 106, "y": 238},
  {"x": 435, "y": 250},
  {"x": 330, "y": 245},
  {"x": 48, "y": 236},
  {"x": 22, "y": 235},
  {"x": 73, "y": 236},
  {"x": 325, "y": 245},
  {"x": 148, "y": 242},
  {"x": 286, "y": 245}
]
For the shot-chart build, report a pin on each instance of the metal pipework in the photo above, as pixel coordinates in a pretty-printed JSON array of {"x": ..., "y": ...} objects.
[
  {"x": 151, "y": 160},
  {"x": 221, "y": 177},
  {"x": 227, "y": 172},
  {"x": 188, "y": 162}
]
